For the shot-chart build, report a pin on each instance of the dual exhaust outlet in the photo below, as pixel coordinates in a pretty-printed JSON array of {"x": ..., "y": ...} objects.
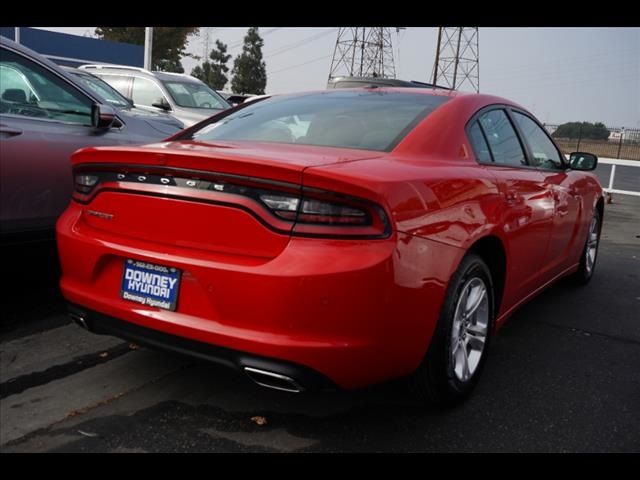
[
  {"x": 79, "y": 320},
  {"x": 273, "y": 380},
  {"x": 264, "y": 378}
]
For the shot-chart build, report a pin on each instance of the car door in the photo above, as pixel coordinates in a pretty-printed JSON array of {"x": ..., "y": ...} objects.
[
  {"x": 43, "y": 120},
  {"x": 527, "y": 209},
  {"x": 566, "y": 239},
  {"x": 146, "y": 94}
]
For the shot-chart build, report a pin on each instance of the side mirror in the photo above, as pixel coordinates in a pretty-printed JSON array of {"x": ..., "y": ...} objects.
[
  {"x": 583, "y": 161},
  {"x": 102, "y": 116},
  {"x": 162, "y": 104}
]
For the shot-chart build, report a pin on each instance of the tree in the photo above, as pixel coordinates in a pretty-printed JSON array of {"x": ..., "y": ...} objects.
[
  {"x": 213, "y": 72},
  {"x": 593, "y": 131},
  {"x": 249, "y": 70},
  {"x": 169, "y": 43}
]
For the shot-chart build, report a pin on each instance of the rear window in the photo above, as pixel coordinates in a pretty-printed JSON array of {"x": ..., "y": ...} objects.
[{"x": 369, "y": 120}]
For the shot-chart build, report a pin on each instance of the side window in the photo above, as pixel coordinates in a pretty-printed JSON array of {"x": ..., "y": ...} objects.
[
  {"x": 479, "y": 144},
  {"x": 145, "y": 92},
  {"x": 14, "y": 86},
  {"x": 502, "y": 138},
  {"x": 545, "y": 154},
  {"x": 119, "y": 82},
  {"x": 29, "y": 90}
]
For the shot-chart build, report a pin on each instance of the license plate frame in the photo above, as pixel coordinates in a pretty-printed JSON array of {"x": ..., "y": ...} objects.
[{"x": 150, "y": 284}]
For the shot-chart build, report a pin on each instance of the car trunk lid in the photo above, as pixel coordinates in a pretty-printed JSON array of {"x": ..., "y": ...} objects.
[{"x": 184, "y": 193}]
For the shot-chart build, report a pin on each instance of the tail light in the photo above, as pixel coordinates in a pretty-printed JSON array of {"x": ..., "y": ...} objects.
[
  {"x": 84, "y": 183},
  {"x": 283, "y": 206},
  {"x": 317, "y": 211},
  {"x": 328, "y": 214},
  {"x": 313, "y": 212}
]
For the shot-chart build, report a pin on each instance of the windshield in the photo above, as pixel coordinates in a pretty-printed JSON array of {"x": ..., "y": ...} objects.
[
  {"x": 194, "y": 95},
  {"x": 362, "y": 119},
  {"x": 103, "y": 90}
]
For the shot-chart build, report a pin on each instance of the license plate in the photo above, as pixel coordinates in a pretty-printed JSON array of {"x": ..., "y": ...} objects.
[{"x": 150, "y": 284}]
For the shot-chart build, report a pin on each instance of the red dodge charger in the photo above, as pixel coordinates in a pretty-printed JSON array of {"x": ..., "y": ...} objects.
[{"x": 331, "y": 239}]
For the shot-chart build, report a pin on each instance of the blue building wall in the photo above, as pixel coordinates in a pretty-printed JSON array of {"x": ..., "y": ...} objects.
[{"x": 73, "y": 50}]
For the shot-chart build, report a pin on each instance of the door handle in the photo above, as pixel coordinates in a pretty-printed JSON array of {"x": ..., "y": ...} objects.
[{"x": 9, "y": 132}]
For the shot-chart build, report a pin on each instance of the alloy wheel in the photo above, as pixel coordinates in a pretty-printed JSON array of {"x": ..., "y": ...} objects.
[
  {"x": 469, "y": 328},
  {"x": 592, "y": 245}
]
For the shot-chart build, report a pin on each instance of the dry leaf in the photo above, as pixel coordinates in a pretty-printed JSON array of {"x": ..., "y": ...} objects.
[
  {"x": 104, "y": 354},
  {"x": 259, "y": 420},
  {"x": 133, "y": 346}
]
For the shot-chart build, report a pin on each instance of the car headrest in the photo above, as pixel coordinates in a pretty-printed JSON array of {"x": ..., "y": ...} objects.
[
  {"x": 345, "y": 131},
  {"x": 14, "y": 95}
]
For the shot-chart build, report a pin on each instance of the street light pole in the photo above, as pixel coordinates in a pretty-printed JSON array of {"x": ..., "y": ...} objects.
[{"x": 148, "y": 47}]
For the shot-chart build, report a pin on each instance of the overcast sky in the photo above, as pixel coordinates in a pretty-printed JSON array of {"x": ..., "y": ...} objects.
[{"x": 560, "y": 74}]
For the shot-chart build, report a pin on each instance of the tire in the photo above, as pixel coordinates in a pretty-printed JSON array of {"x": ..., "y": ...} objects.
[
  {"x": 590, "y": 251},
  {"x": 441, "y": 378}
]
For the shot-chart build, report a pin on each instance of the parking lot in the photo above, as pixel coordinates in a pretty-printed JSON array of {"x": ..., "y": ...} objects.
[{"x": 562, "y": 376}]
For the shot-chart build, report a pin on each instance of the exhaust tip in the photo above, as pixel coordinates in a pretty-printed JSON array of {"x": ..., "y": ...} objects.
[
  {"x": 273, "y": 380},
  {"x": 79, "y": 320}
]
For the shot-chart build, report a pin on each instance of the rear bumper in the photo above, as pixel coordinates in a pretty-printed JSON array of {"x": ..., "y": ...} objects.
[
  {"x": 98, "y": 323},
  {"x": 355, "y": 312}
]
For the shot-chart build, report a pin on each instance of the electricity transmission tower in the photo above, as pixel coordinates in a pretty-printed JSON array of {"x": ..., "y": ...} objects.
[
  {"x": 457, "y": 63},
  {"x": 363, "y": 52}
]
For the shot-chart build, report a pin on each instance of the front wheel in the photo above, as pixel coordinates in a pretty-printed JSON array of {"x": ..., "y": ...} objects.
[
  {"x": 590, "y": 252},
  {"x": 459, "y": 346}
]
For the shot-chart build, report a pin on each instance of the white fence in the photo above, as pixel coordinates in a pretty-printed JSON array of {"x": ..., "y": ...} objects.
[{"x": 612, "y": 175}]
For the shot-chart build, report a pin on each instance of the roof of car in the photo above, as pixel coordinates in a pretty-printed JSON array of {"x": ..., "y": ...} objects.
[
  {"x": 75, "y": 70},
  {"x": 406, "y": 90},
  {"x": 381, "y": 81},
  {"x": 126, "y": 68},
  {"x": 473, "y": 99},
  {"x": 175, "y": 76}
]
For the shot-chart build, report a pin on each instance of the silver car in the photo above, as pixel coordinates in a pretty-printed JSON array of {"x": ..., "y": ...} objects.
[{"x": 183, "y": 96}]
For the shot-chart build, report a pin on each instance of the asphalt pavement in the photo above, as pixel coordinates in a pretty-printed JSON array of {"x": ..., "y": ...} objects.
[{"x": 562, "y": 375}]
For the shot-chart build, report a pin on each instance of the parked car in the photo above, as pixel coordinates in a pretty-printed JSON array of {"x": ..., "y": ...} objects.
[
  {"x": 46, "y": 114},
  {"x": 355, "y": 82},
  {"x": 335, "y": 238},
  {"x": 253, "y": 98},
  {"x": 185, "y": 97},
  {"x": 167, "y": 124},
  {"x": 234, "y": 98}
]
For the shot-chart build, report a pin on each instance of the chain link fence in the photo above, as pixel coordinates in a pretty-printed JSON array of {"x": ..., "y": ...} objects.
[{"x": 623, "y": 143}]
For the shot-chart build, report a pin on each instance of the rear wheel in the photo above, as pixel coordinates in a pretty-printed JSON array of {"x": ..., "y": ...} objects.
[
  {"x": 458, "y": 349},
  {"x": 590, "y": 252}
]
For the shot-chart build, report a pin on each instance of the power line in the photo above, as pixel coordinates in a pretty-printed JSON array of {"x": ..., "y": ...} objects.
[
  {"x": 569, "y": 86},
  {"x": 554, "y": 68},
  {"x": 572, "y": 76},
  {"x": 264, "y": 34},
  {"x": 299, "y": 43},
  {"x": 299, "y": 65},
  {"x": 587, "y": 59}
]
